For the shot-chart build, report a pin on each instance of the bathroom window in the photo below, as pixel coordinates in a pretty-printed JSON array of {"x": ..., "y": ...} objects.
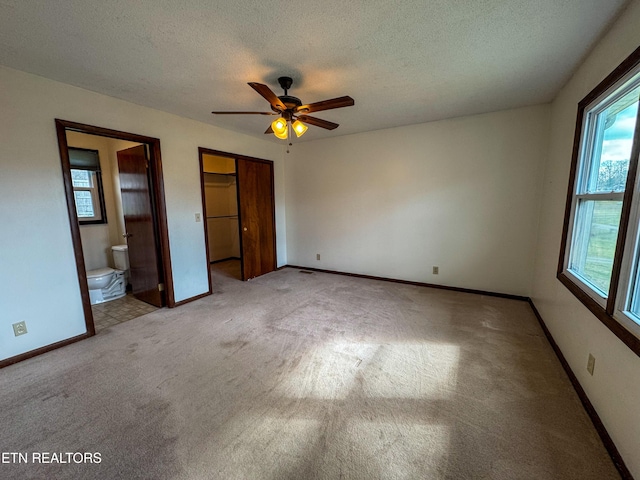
[{"x": 87, "y": 186}]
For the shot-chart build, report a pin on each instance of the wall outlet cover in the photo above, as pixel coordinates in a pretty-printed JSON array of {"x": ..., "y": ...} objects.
[
  {"x": 436, "y": 270},
  {"x": 19, "y": 328}
]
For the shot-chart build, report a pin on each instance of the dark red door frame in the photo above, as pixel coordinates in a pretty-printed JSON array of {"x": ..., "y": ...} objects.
[{"x": 160, "y": 211}]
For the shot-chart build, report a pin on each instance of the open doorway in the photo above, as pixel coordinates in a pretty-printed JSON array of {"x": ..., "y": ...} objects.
[
  {"x": 239, "y": 207},
  {"x": 119, "y": 230},
  {"x": 220, "y": 196}
]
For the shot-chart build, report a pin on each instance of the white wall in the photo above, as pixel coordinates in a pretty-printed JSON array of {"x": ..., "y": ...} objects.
[
  {"x": 460, "y": 194},
  {"x": 38, "y": 281},
  {"x": 614, "y": 389}
]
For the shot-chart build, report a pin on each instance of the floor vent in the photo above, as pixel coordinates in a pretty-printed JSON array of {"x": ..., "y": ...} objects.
[{"x": 306, "y": 271}]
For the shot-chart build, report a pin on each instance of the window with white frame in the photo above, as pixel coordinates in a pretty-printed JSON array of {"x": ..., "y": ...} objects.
[
  {"x": 600, "y": 252},
  {"x": 87, "y": 186}
]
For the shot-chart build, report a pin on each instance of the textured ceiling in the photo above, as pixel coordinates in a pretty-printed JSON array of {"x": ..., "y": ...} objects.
[{"x": 403, "y": 62}]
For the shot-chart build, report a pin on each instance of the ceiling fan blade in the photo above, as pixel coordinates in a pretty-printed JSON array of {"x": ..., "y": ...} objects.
[
  {"x": 268, "y": 95},
  {"x": 318, "y": 122},
  {"x": 268, "y": 130},
  {"x": 245, "y": 113},
  {"x": 339, "y": 102}
]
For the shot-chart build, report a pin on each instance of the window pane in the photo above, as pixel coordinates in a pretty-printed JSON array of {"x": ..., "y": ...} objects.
[
  {"x": 82, "y": 178},
  {"x": 635, "y": 295},
  {"x": 634, "y": 300},
  {"x": 84, "y": 203},
  {"x": 611, "y": 147},
  {"x": 594, "y": 242},
  {"x": 631, "y": 306}
]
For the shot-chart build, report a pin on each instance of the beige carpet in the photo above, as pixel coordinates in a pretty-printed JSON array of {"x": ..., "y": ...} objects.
[{"x": 306, "y": 376}]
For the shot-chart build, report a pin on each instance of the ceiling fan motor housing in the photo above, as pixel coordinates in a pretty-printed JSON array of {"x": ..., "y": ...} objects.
[{"x": 289, "y": 101}]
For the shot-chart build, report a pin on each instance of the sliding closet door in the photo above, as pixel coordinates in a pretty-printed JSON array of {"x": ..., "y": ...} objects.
[{"x": 257, "y": 218}]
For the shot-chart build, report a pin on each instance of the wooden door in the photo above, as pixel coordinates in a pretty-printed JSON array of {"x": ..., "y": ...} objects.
[
  {"x": 257, "y": 217},
  {"x": 139, "y": 223}
]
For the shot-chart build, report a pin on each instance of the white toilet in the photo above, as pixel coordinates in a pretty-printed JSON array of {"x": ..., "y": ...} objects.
[{"x": 107, "y": 284}]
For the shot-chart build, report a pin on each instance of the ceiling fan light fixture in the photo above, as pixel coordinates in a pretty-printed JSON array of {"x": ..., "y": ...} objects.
[
  {"x": 279, "y": 127},
  {"x": 299, "y": 128}
]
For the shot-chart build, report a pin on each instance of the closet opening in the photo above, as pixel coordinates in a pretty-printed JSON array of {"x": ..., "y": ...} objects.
[
  {"x": 220, "y": 194},
  {"x": 238, "y": 205}
]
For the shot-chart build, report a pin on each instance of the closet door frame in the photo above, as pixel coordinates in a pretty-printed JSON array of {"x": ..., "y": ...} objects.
[{"x": 218, "y": 153}]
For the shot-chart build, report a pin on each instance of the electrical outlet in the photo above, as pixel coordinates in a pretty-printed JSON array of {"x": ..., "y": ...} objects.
[
  {"x": 591, "y": 363},
  {"x": 19, "y": 328},
  {"x": 436, "y": 270},
  {"x": 198, "y": 217},
  {"x": 317, "y": 256}
]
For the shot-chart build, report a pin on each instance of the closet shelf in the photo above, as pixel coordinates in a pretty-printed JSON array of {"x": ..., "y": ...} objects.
[
  {"x": 224, "y": 216},
  {"x": 233, "y": 174}
]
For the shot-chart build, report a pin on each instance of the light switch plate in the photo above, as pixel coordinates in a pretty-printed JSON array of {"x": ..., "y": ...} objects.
[{"x": 591, "y": 363}]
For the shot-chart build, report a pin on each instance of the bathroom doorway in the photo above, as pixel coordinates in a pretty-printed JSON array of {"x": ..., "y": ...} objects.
[{"x": 131, "y": 189}]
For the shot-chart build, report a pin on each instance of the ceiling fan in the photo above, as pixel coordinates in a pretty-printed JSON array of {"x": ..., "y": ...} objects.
[{"x": 291, "y": 110}]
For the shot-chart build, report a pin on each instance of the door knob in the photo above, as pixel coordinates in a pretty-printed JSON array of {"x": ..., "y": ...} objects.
[
  {"x": 245, "y": 229},
  {"x": 126, "y": 235}
]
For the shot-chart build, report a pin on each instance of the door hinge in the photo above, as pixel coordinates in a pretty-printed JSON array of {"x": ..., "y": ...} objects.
[{"x": 161, "y": 287}]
